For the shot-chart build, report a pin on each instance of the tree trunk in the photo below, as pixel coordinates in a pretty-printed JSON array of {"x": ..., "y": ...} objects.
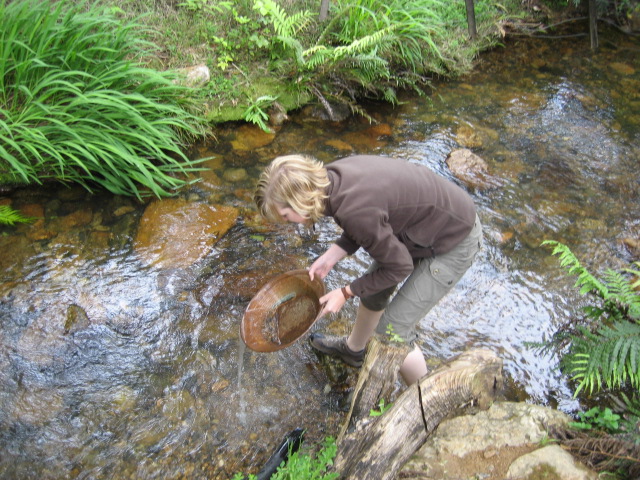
[
  {"x": 324, "y": 10},
  {"x": 593, "y": 24},
  {"x": 375, "y": 448},
  {"x": 471, "y": 19}
]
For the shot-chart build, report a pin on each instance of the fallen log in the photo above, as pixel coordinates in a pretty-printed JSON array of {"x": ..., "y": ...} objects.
[
  {"x": 375, "y": 448},
  {"x": 377, "y": 379}
]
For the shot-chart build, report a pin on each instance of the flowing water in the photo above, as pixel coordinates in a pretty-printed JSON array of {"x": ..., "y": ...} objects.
[{"x": 120, "y": 360}]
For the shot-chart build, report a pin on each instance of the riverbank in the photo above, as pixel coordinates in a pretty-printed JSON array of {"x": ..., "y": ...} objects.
[{"x": 264, "y": 57}]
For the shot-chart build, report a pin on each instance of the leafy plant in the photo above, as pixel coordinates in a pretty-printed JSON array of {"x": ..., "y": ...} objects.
[
  {"x": 382, "y": 407},
  {"x": 9, "y": 216},
  {"x": 546, "y": 440},
  {"x": 256, "y": 113},
  {"x": 604, "y": 352},
  {"x": 393, "y": 335},
  {"x": 598, "y": 418},
  {"x": 76, "y": 107},
  {"x": 305, "y": 466}
]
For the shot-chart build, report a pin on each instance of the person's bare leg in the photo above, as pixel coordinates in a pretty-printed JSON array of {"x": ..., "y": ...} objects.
[
  {"x": 364, "y": 326},
  {"x": 413, "y": 367}
]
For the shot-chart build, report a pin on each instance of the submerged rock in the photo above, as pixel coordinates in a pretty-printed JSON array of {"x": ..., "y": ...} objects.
[
  {"x": 468, "y": 167},
  {"x": 174, "y": 233}
]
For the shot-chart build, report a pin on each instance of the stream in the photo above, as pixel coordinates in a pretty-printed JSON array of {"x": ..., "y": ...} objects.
[{"x": 120, "y": 354}]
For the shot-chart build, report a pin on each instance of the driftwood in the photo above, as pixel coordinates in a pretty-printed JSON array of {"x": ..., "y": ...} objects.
[{"x": 375, "y": 448}]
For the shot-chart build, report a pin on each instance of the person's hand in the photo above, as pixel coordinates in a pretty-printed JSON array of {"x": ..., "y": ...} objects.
[
  {"x": 332, "y": 302},
  {"x": 325, "y": 262}
]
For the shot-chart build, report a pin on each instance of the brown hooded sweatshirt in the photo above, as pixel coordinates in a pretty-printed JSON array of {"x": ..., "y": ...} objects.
[{"x": 397, "y": 211}]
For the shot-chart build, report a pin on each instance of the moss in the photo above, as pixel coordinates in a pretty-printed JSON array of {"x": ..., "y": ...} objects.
[
  {"x": 544, "y": 472},
  {"x": 224, "y": 111}
]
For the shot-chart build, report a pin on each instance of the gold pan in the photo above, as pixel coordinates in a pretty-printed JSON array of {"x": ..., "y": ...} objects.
[{"x": 282, "y": 311}]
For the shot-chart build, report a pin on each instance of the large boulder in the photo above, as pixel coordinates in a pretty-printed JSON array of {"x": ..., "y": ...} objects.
[
  {"x": 507, "y": 441},
  {"x": 175, "y": 233}
]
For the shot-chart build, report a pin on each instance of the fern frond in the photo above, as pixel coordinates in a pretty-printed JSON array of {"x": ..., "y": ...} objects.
[
  {"x": 9, "y": 216},
  {"x": 586, "y": 282},
  {"x": 609, "y": 357},
  {"x": 316, "y": 56},
  {"x": 364, "y": 44},
  {"x": 285, "y": 25},
  {"x": 294, "y": 46}
]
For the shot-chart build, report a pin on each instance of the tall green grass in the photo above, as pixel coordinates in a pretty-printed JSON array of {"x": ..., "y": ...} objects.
[
  {"x": 429, "y": 36},
  {"x": 76, "y": 105}
]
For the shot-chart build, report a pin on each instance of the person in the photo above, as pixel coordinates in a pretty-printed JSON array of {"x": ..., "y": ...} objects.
[{"x": 421, "y": 230}]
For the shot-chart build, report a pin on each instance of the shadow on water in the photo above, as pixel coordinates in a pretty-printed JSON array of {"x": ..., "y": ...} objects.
[{"x": 120, "y": 361}]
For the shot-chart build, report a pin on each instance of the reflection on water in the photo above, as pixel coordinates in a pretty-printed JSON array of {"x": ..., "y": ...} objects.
[{"x": 113, "y": 366}]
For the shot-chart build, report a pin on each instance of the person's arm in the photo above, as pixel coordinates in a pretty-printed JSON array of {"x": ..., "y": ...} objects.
[
  {"x": 333, "y": 301},
  {"x": 325, "y": 262}
]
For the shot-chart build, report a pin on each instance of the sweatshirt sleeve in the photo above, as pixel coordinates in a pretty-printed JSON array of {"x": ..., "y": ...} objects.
[
  {"x": 376, "y": 236},
  {"x": 347, "y": 244}
]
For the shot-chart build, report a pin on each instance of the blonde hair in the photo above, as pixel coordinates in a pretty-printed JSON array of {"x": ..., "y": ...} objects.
[{"x": 292, "y": 181}]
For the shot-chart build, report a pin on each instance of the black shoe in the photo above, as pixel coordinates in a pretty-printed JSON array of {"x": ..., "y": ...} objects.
[{"x": 337, "y": 347}]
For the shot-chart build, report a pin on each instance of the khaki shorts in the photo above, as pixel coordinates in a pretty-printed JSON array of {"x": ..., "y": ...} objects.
[{"x": 431, "y": 279}]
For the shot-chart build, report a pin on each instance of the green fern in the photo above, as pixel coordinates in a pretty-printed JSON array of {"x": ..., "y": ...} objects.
[
  {"x": 285, "y": 26},
  {"x": 606, "y": 352},
  {"x": 333, "y": 73},
  {"x": 585, "y": 282},
  {"x": 9, "y": 216},
  {"x": 608, "y": 357}
]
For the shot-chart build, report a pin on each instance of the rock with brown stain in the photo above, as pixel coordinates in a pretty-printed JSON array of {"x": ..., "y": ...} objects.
[
  {"x": 175, "y": 233},
  {"x": 468, "y": 167}
]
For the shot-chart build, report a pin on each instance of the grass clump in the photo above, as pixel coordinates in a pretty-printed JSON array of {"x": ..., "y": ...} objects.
[{"x": 78, "y": 106}]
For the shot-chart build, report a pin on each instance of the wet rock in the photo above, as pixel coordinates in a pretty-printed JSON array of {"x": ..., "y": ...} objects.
[
  {"x": 622, "y": 68},
  {"x": 123, "y": 210},
  {"x": 124, "y": 399},
  {"x": 369, "y": 138},
  {"x": 214, "y": 162},
  {"x": 216, "y": 330},
  {"x": 339, "y": 145},
  {"x": 79, "y": 218},
  {"x": 220, "y": 385},
  {"x": 177, "y": 405},
  {"x": 467, "y": 137},
  {"x": 37, "y": 407},
  {"x": 379, "y": 130},
  {"x": 15, "y": 250},
  {"x": 76, "y": 319},
  {"x": 335, "y": 112},
  {"x": 468, "y": 167},
  {"x": 277, "y": 115},
  {"x": 632, "y": 245},
  {"x": 174, "y": 233},
  {"x": 37, "y": 230},
  {"x": 72, "y": 194},
  {"x": 250, "y": 137},
  {"x": 235, "y": 174}
]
